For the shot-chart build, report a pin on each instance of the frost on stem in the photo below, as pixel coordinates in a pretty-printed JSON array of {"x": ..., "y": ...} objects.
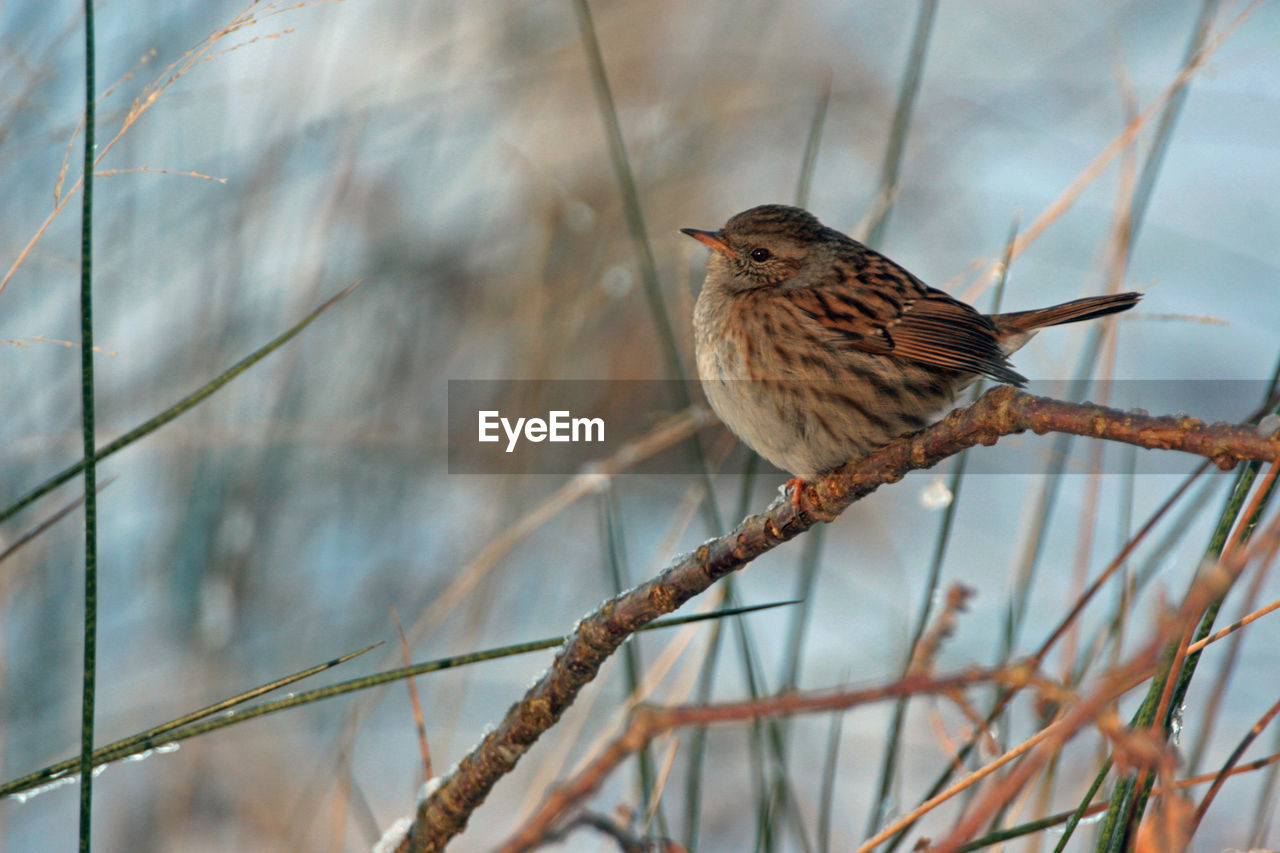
[{"x": 395, "y": 834}]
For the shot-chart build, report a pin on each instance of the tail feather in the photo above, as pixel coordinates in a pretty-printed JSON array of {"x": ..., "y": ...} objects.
[{"x": 1021, "y": 322}]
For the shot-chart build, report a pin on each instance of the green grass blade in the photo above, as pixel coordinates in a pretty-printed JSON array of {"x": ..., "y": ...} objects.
[
  {"x": 179, "y": 408},
  {"x": 826, "y": 796},
  {"x": 1127, "y": 802},
  {"x": 812, "y": 142},
  {"x": 154, "y": 735},
  {"x": 90, "y": 669},
  {"x": 929, "y": 594},
  {"x": 643, "y": 248},
  {"x": 611, "y": 532},
  {"x": 198, "y": 722},
  {"x": 907, "y": 92}
]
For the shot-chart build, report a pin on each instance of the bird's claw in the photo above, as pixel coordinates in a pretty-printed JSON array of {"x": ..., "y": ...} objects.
[{"x": 796, "y": 486}]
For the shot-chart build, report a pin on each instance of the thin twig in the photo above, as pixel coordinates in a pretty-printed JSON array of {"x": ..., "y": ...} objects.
[{"x": 648, "y": 722}]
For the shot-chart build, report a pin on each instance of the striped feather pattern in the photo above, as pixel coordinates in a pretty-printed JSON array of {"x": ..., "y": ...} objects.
[{"x": 815, "y": 349}]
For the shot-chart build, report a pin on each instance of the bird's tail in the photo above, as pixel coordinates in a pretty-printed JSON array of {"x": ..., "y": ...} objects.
[{"x": 1021, "y": 322}]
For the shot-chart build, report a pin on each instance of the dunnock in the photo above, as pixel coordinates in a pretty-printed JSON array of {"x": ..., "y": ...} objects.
[{"x": 815, "y": 349}]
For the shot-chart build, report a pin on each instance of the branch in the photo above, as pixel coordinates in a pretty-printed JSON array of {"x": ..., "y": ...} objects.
[
  {"x": 1001, "y": 411},
  {"x": 1130, "y": 747}
]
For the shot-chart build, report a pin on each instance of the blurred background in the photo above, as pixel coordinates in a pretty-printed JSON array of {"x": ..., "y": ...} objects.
[{"x": 454, "y": 158}]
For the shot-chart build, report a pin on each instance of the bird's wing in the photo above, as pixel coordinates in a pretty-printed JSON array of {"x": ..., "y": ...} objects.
[{"x": 922, "y": 324}]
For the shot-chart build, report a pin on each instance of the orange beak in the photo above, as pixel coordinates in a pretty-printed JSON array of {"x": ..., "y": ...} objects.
[{"x": 714, "y": 239}]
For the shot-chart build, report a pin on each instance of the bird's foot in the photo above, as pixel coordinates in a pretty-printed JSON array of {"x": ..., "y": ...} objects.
[{"x": 796, "y": 486}]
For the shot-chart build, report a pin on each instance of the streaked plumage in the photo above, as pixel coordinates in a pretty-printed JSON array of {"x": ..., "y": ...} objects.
[{"x": 815, "y": 349}]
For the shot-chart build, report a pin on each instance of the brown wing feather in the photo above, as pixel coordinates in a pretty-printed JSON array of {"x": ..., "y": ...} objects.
[{"x": 929, "y": 327}]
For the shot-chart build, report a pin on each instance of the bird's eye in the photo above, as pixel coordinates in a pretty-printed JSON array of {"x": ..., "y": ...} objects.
[{"x": 761, "y": 255}]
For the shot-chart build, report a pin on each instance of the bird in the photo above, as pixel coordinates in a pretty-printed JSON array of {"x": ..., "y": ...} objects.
[{"x": 814, "y": 349}]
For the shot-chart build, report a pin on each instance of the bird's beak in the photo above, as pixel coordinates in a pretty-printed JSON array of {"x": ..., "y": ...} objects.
[{"x": 714, "y": 239}]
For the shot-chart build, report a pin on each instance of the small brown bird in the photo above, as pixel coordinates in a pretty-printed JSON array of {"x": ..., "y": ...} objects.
[{"x": 815, "y": 349}]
